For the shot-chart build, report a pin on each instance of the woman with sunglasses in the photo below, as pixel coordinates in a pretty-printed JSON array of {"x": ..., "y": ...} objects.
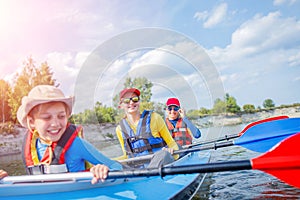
[
  {"x": 143, "y": 133},
  {"x": 181, "y": 129}
]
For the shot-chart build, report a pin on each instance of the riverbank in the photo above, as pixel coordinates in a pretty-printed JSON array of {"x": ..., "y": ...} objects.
[
  {"x": 12, "y": 143},
  {"x": 228, "y": 120}
]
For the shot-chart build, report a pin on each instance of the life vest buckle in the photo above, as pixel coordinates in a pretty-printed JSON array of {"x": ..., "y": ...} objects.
[
  {"x": 36, "y": 169},
  {"x": 175, "y": 130},
  {"x": 132, "y": 139},
  {"x": 55, "y": 169}
]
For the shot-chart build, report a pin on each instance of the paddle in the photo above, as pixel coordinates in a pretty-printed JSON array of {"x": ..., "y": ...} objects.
[
  {"x": 232, "y": 136},
  {"x": 282, "y": 161},
  {"x": 259, "y": 138}
]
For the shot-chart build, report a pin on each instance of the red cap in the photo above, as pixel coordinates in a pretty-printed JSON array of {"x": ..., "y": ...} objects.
[
  {"x": 173, "y": 102},
  {"x": 129, "y": 90}
]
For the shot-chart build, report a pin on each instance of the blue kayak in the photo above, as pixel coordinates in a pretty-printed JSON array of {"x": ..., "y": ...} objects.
[{"x": 78, "y": 186}]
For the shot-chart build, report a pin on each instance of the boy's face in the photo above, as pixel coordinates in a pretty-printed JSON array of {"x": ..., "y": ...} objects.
[
  {"x": 50, "y": 120},
  {"x": 173, "y": 112}
]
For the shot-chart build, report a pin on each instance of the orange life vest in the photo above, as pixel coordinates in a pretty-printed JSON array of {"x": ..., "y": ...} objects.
[
  {"x": 180, "y": 132},
  {"x": 54, "y": 154}
]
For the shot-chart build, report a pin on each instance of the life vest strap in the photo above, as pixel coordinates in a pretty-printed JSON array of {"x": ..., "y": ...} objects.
[
  {"x": 178, "y": 129},
  {"x": 145, "y": 148}
]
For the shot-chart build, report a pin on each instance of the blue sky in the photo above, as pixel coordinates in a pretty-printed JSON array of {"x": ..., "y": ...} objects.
[{"x": 253, "y": 46}]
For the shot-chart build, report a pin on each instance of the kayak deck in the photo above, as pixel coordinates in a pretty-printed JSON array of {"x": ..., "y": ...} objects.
[{"x": 168, "y": 187}]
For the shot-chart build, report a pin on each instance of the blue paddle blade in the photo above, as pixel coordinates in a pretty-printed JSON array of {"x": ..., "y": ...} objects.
[{"x": 264, "y": 136}]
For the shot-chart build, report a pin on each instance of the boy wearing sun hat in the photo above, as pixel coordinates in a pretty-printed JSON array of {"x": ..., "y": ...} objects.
[{"x": 52, "y": 144}]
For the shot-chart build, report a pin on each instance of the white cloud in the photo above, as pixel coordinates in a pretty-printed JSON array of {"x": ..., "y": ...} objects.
[
  {"x": 73, "y": 15},
  {"x": 266, "y": 32},
  {"x": 213, "y": 17},
  {"x": 165, "y": 67},
  {"x": 281, "y": 2},
  {"x": 201, "y": 15},
  {"x": 80, "y": 58},
  {"x": 65, "y": 70},
  {"x": 297, "y": 79},
  {"x": 261, "y": 49},
  {"x": 294, "y": 59},
  {"x": 217, "y": 16},
  {"x": 261, "y": 34}
]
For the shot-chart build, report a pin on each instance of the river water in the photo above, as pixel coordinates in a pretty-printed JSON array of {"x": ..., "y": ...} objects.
[{"x": 236, "y": 185}]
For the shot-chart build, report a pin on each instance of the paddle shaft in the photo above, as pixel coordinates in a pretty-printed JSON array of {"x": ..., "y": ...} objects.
[
  {"x": 205, "y": 147},
  {"x": 233, "y": 136},
  {"x": 200, "y": 148},
  {"x": 130, "y": 173},
  {"x": 226, "y": 137},
  {"x": 188, "y": 169}
]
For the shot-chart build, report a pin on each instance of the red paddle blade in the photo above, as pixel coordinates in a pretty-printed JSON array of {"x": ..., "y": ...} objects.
[
  {"x": 262, "y": 121},
  {"x": 282, "y": 161}
]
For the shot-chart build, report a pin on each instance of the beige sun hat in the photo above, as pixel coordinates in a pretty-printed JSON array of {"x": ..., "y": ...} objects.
[{"x": 39, "y": 95}]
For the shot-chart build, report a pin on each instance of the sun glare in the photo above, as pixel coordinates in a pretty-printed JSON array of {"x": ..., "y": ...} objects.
[{"x": 5, "y": 9}]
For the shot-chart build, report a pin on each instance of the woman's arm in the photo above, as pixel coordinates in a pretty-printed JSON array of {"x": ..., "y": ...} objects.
[{"x": 121, "y": 141}]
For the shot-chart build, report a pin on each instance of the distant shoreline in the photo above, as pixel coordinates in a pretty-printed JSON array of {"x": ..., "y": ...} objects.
[
  {"x": 12, "y": 144},
  {"x": 228, "y": 120}
]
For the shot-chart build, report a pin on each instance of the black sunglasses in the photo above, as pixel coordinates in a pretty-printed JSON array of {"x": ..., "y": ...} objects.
[
  {"x": 176, "y": 108},
  {"x": 133, "y": 99}
]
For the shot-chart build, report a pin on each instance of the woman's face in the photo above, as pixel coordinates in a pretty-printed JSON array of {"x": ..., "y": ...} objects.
[
  {"x": 50, "y": 120},
  {"x": 130, "y": 103}
]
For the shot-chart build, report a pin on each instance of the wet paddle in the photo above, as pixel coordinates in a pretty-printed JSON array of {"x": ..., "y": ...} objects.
[
  {"x": 282, "y": 161},
  {"x": 259, "y": 138},
  {"x": 233, "y": 136}
]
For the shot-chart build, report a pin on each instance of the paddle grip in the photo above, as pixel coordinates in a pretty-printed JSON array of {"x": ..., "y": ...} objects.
[{"x": 209, "y": 167}]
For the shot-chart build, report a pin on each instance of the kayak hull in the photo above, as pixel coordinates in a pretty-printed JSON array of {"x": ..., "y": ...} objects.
[{"x": 76, "y": 187}]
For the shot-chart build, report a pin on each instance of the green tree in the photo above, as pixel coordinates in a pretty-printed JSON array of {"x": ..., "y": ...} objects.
[
  {"x": 193, "y": 114},
  {"x": 88, "y": 117},
  {"x": 204, "y": 111},
  {"x": 44, "y": 75},
  {"x": 219, "y": 106},
  {"x": 5, "y": 110},
  {"x": 258, "y": 108},
  {"x": 22, "y": 85},
  {"x": 30, "y": 77},
  {"x": 143, "y": 84},
  {"x": 249, "y": 108},
  {"x": 159, "y": 108},
  {"x": 231, "y": 105},
  {"x": 145, "y": 87},
  {"x": 105, "y": 114},
  {"x": 268, "y": 103}
]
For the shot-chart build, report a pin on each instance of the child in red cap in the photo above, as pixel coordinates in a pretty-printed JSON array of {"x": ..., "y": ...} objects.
[{"x": 181, "y": 129}]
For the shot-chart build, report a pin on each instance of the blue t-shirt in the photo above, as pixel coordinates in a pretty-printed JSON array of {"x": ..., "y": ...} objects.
[{"x": 79, "y": 152}]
